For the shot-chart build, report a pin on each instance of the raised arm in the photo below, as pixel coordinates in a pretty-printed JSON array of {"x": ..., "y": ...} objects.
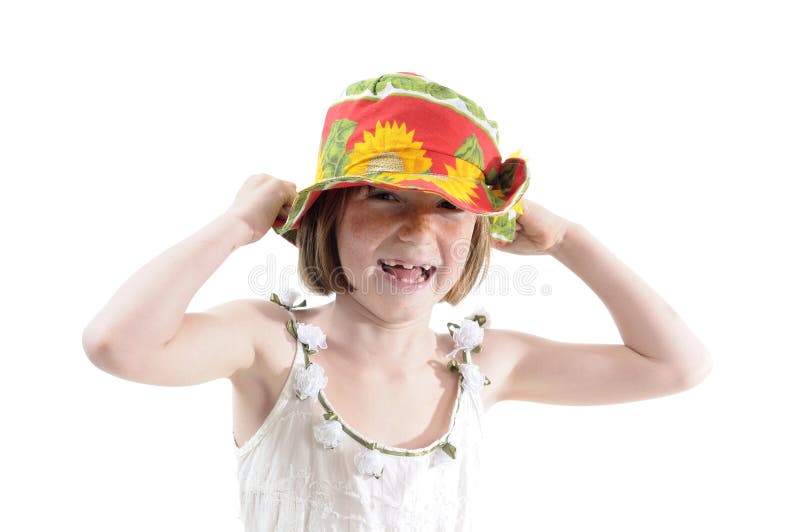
[
  {"x": 144, "y": 333},
  {"x": 659, "y": 354}
]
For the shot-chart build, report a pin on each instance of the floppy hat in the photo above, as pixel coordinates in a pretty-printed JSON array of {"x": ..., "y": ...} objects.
[{"x": 404, "y": 131}]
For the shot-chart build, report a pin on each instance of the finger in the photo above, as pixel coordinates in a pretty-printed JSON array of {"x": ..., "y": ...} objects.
[{"x": 284, "y": 210}]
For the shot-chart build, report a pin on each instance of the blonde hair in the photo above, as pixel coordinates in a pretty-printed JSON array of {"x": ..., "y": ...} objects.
[{"x": 321, "y": 270}]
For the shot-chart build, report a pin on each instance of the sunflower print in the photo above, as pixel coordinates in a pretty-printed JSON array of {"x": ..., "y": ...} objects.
[
  {"x": 463, "y": 189},
  {"x": 391, "y": 148},
  {"x": 391, "y": 151}
]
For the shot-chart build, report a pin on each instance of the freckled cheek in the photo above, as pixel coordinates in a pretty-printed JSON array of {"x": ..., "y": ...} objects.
[
  {"x": 363, "y": 227},
  {"x": 359, "y": 237}
]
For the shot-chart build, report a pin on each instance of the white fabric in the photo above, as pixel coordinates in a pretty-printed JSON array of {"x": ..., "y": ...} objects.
[{"x": 288, "y": 481}]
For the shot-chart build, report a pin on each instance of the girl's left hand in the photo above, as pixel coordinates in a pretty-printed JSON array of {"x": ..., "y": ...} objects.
[{"x": 539, "y": 231}]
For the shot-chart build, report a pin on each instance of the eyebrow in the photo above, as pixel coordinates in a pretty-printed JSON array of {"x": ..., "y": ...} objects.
[{"x": 369, "y": 189}]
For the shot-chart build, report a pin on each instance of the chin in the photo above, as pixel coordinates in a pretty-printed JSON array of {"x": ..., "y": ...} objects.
[
  {"x": 392, "y": 301},
  {"x": 396, "y": 306}
]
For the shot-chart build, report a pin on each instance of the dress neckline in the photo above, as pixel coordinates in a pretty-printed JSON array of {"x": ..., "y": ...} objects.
[
  {"x": 328, "y": 406},
  {"x": 310, "y": 380}
]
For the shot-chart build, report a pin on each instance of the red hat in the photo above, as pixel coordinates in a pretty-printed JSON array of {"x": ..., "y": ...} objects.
[{"x": 403, "y": 131}]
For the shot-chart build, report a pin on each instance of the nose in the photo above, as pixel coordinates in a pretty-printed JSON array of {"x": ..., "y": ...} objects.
[{"x": 417, "y": 226}]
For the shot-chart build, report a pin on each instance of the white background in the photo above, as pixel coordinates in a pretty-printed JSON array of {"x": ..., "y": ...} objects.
[{"x": 668, "y": 129}]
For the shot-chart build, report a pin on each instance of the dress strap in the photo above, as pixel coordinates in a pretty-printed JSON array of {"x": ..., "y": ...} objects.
[
  {"x": 468, "y": 337},
  {"x": 288, "y": 299}
]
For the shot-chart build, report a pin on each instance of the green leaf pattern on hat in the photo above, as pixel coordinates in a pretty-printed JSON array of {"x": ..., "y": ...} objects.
[
  {"x": 409, "y": 83},
  {"x": 504, "y": 227},
  {"x": 417, "y": 84},
  {"x": 441, "y": 92},
  {"x": 470, "y": 151},
  {"x": 334, "y": 156}
]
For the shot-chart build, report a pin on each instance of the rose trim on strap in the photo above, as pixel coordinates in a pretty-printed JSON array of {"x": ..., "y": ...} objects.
[
  {"x": 310, "y": 380},
  {"x": 288, "y": 299},
  {"x": 329, "y": 433},
  {"x": 468, "y": 337},
  {"x": 369, "y": 462},
  {"x": 472, "y": 377},
  {"x": 311, "y": 336}
]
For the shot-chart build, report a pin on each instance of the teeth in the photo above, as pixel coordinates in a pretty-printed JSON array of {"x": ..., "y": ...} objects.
[
  {"x": 395, "y": 263},
  {"x": 425, "y": 267}
]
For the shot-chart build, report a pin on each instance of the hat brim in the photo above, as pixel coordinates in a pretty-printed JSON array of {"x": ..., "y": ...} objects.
[{"x": 473, "y": 195}]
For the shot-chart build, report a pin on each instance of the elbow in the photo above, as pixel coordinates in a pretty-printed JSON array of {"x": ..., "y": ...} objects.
[
  {"x": 101, "y": 347},
  {"x": 691, "y": 377},
  {"x": 94, "y": 343},
  {"x": 97, "y": 349},
  {"x": 114, "y": 354},
  {"x": 103, "y": 355}
]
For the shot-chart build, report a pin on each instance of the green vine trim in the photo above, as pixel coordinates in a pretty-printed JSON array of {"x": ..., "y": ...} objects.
[
  {"x": 330, "y": 413},
  {"x": 291, "y": 328},
  {"x": 446, "y": 446}
]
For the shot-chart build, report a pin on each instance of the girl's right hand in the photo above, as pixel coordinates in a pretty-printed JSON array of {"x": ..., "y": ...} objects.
[{"x": 260, "y": 201}]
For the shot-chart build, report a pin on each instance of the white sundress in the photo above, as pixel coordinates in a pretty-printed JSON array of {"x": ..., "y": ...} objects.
[{"x": 305, "y": 468}]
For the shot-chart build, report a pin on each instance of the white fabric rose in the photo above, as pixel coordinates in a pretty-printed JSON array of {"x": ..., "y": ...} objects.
[
  {"x": 312, "y": 336},
  {"x": 370, "y": 462},
  {"x": 289, "y": 297},
  {"x": 329, "y": 433},
  {"x": 309, "y": 381},
  {"x": 472, "y": 376},
  {"x": 469, "y": 335}
]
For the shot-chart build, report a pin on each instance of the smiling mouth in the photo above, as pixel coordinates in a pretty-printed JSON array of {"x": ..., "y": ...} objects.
[{"x": 407, "y": 273}]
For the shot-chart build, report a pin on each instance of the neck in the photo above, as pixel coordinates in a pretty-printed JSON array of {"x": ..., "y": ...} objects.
[{"x": 370, "y": 340}]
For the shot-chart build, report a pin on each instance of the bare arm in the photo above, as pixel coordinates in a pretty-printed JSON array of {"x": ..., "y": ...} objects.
[
  {"x": 659, "y": 356},
  {"x": 649, "y": 326},
  {"x": 144, "y": 333},
  {"x": 147, "y": 310}
]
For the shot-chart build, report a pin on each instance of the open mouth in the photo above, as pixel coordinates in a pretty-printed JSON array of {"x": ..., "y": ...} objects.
[{"x": 407, "y": 273}]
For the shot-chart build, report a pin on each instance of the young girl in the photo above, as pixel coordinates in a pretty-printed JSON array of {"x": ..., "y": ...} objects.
[{"x": 355, "y": 415}]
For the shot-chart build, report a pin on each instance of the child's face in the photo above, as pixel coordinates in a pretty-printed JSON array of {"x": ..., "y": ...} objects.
[{"x": 417, "y": 227}]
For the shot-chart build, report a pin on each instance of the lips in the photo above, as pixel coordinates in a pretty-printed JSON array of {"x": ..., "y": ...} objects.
[{"x": 407, "y": 272}]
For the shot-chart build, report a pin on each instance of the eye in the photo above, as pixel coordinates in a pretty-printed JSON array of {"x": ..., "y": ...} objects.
[
  {"x": 382, "y": 195},
  {"x": 449, "y": 206}
]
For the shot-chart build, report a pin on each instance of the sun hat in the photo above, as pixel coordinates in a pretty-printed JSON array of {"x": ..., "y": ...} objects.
[{"x": 403, "y": 131}]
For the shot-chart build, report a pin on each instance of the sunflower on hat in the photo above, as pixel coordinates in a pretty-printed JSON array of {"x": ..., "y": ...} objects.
[{"x": 391, "y": 152}]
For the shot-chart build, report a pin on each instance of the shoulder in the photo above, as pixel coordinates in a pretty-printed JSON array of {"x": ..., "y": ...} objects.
[
  {"x": 496, "y": 361},
  {"x": 497, "y": 358},
  {"x": 265, "y": 323},
  {"x": 257, "y": 316}
]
